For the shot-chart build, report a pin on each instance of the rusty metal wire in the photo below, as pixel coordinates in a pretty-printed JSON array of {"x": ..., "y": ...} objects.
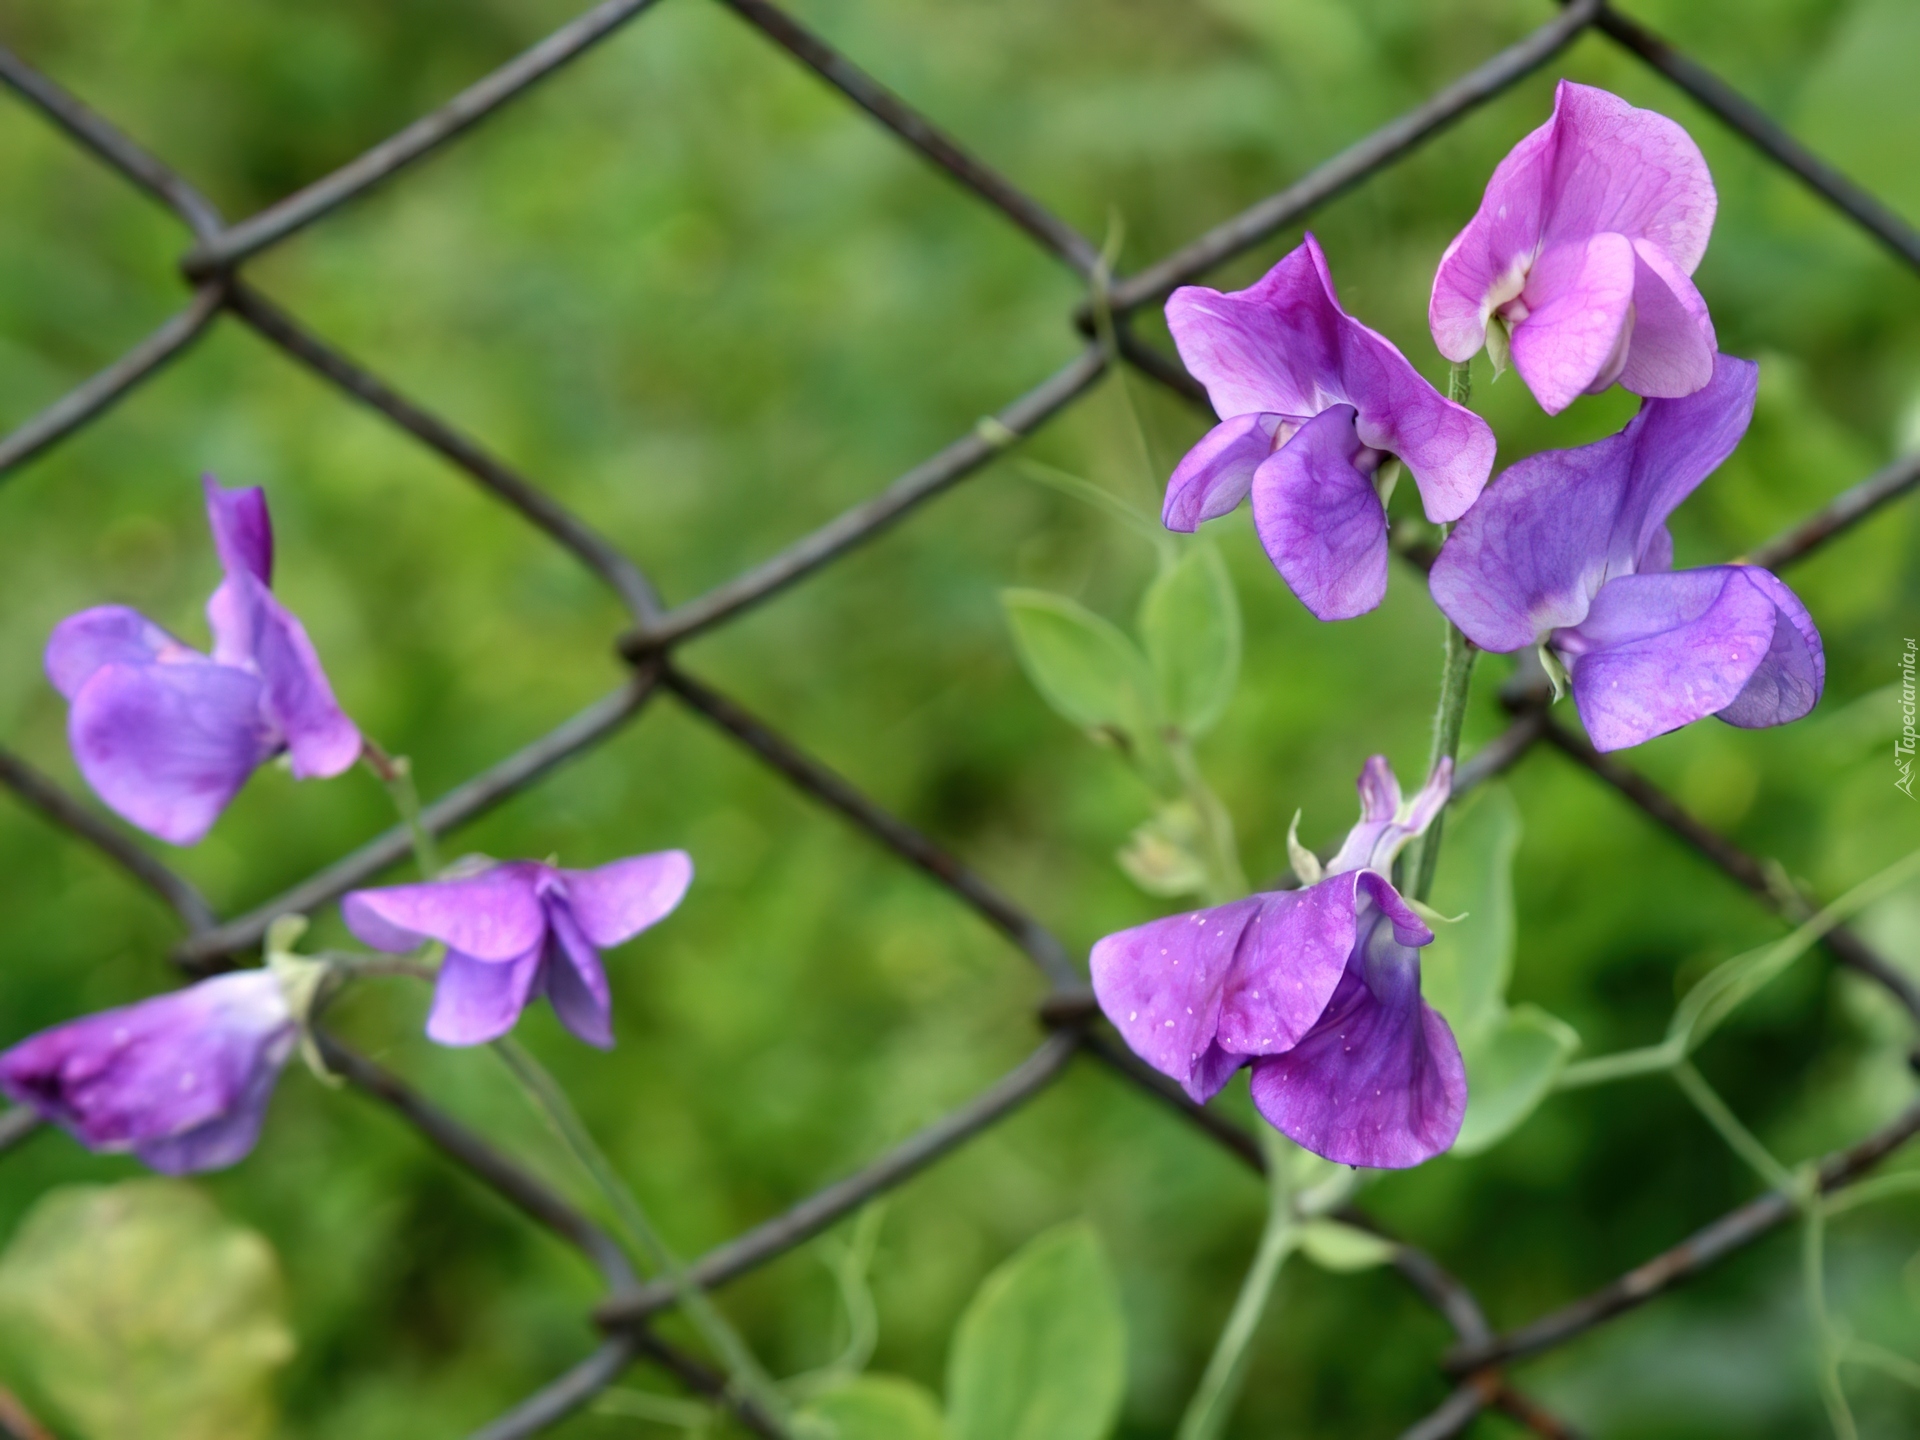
[{"x": 213, "y": 268}]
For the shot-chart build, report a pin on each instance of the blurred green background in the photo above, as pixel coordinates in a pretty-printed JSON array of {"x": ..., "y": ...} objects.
[{"x": 709, "y": 306}]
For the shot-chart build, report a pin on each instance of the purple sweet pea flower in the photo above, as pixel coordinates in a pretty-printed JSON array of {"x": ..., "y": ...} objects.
[
  {"x": 1311, "y": 403},
  {"x": 181, "y": 1080},
  {"x": 1570, "y": 549},
  {"x": 166, "y": 735},
  {"x": 519, "y": 930},
  {"x": 1318, "y": 989},
  {"x": 1580, "y": 252}
]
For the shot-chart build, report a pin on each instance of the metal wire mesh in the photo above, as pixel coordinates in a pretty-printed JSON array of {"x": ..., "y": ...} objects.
[{"x": 214, "y": 270}]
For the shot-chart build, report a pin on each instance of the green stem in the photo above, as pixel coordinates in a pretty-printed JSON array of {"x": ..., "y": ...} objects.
[
  {"x": 1626, "y": 1065},
  {"x": 1813, "y": 1271},
  {"x": 1878, "y": 1357},
  {"x": 1212, "y": 1402},
  {"x": 1740, "y": 1140},
  {"x": 1448, "y": 720},
  {"x": 1881, "y": 1187},
  {"x": 1460, "y": 382},
  {"x": 746, "y": 1379},
  {"x": 396, "y": 773}
]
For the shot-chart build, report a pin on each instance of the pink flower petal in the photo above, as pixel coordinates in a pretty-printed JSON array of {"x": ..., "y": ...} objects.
[
  {"x": 1673, "y": 345},
  {"x": 1215, "y": 475},
  {"x": 1577, "y": 296}
]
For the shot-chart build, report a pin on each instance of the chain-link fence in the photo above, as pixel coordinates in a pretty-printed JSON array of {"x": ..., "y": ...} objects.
[{"x": 214, "y": 269}]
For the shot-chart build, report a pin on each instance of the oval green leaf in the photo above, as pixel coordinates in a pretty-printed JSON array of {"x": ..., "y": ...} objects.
[
  {"x": 1511, "y": 1067},
  {"x": 1040, "y": 1353},
  {"x": 1464, "y": 972},
  {"x": 874, "y": 1407},
  {"x": 1190, "y": 621},
  {"x": 138, "y": 1309}
]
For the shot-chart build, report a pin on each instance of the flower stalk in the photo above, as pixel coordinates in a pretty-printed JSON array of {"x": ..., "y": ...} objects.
[
  {"x": 746, "y": 1379},
  {"x": 1207, "y": 1413},
  {"x": 396, "y": 773}
]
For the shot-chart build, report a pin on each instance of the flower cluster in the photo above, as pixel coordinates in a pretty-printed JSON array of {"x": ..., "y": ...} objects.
[
  {"x": 1576, "y": 268},
  {"x": 167, "y": 736}
]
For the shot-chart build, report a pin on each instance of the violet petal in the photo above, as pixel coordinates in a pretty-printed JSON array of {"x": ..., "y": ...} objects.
[
  {"x": 225, "y": 1139},
  {"x": 105, "y": 635},
  {"x": 1320, "y": 520},
  {"x": 1269, "y": 349},
  {"x": 493, "y": 916},
  {"x": 1544, "y": 537},
  {"x": 616, "y": 902},
  {"x": 1578, "y": 296},
  {"x": 168, "y": 746},
  {"x": 1673, "y": 341},
  {"x": 1789, "y": 681},
  {"x": 1289, "y": 960},
  {"x": 1631, "y": 171},
  {"x": 1379, "y": 1080},
  {"x": 1159, "y": 984},
  {"x": 475, "y": 1000},
  {"x": 242, "y": 532},
  {"x": 255, "y": 631},
  {"x": 181, "y": 1079},
  {"x": 1215, "y": 475},
  {"x": 1660, "y": 651},
  {"x": 576, "y": 982}
]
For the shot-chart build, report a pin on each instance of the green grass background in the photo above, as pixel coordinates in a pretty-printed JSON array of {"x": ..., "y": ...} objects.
[{"x": 709, "y": 305}]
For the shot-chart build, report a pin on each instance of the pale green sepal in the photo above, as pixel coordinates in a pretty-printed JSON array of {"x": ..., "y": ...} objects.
[
  {"x": 1306, "y": 864},
  {"x": 1499, "y": 346},
  {"x": 304, "y": 983},
  {"x": 1432, "y": 916},
  {"x": 1385, "y": 478},
  {"x": 1556, "y": 672},
  {"x": 1341, "y": 1248}
]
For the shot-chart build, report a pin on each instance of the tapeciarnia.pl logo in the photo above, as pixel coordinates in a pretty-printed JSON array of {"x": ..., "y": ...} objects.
[{"x": 1903, "y": 747}]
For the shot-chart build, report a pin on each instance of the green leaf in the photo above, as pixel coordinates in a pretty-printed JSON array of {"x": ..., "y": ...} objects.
[
  {"x": 874, "y": 1407},
  {"x": 1084, "y": 667},
  {"x": 1190, "y": 621},
  {"x": 1511, "y": 1067},
  {"x": 138, "y": 1309},
  {"x": 1342, "y": 1248},
  {"x": 1512, "y": 1056},
  {"x": 1040, "y": 1353},
  {"x": 1464, "y": 972}
]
